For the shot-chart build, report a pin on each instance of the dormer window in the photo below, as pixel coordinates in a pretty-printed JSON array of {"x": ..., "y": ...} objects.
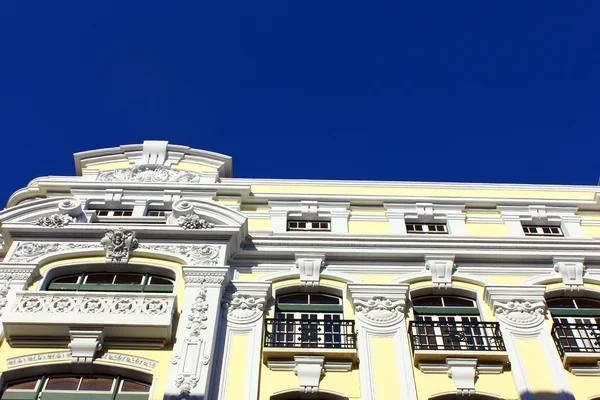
[
  {"x": 114, "y": 213},
  {"x": 324, "y": 226},
  {"x": 542, "y": 230},
  {"x": 422, "y": 227}
]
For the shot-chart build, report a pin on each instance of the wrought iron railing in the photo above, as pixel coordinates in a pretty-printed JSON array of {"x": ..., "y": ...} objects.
[
  {"x": 576, "y": 338},
  {"x": 329, "y": 334},
  {"x": 474, "y": 336}
]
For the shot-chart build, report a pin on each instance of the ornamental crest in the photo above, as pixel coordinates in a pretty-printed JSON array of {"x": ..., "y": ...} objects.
[
  {"x": 150, "y": 174},
  {"x": 193, "y": 221},
  {"x": 118, "y": 244},
  {"x": 54, "y": 221},
  {"x": 244, "y": 307},
  {"x": 380, "y": 309},
  {"x": 198, "y": 314},
  {"x": 521, "y": 312}
]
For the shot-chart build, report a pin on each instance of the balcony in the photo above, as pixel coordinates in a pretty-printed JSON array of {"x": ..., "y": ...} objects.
[
  {"x": 435, "y": 341},
  {"x": 577, "y": 343},
  {"x": 128, "y": 319},
  {"x": 334, "y": 339}
]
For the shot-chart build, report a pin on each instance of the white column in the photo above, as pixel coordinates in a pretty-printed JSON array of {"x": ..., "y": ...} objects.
[
  {"x": 521, "y": 311},
  {"x": 243, "y": 306},
  {"x": 193, "y": 353},
  {"x": 380, "y": 312}
]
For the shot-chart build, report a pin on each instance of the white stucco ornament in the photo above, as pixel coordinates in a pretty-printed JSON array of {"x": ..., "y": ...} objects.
[
  {"x": 118, "y": 244},
  {"x": 380, "y": 309}
]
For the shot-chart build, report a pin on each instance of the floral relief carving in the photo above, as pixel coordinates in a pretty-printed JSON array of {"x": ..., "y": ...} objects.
[
  {"x": 4, "y": 289},
  {"x": 521, "y": 312},
  {"x": 123, "y": 306},
  {"x": 198, "y": 313},
  {"x": 194, "y": 254},
  {"x": 93, "y": 305},
  {"x": 149, "y": 174},
  {"x": 54, "y": 221},
  {"x": 185, "y": 382},
  {"x": 62, "y": 304},
  {"x": 66, "y": 355},
  {"x": 16, "y": 274},
  {"x": 203, "y": 277},
  {"x": 154, "y": 306},
  {"x": 244, "y": 307},
  {"x": 118, "y": 244},
  {"x": 380, "y": 309},
  {"x": 193, "y": 221},
  {"x": 31, "y": 305},
  {"x": 30, "y": 251}
]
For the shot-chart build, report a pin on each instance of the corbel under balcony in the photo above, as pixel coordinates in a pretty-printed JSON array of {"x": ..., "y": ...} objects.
[{"x": 139, "y": 320}]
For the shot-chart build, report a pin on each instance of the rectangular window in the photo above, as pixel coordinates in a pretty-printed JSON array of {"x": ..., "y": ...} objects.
[
  {"x": 540, "y": 230},
  {"x": 309, "y": 226},
  {"x": 157, "y": 213},
  {"x": 421, "y": 227},
  {"x": 114, "y": 213}
]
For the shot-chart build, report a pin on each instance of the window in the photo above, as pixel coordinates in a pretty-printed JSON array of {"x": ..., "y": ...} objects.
[
  {"x": 113, "y": 282},
  {"x": 451, "y": 323},
  {"x": 157, "y": 213},
  {"x": 114, "y": 213},
  {"x": 309, "y": 226},
  {"x": 576, "y": 326},
  {"x": 421, "y": 227},
  {"x": 541, "y": 230},
  {"x": 311, "y": 320},
  {"x": 76, "y": 387}
]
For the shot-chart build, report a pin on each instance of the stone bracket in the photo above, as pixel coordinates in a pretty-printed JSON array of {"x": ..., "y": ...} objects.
[
  {"x": 572, "y": 270},
  {"x": 84, "y": 345},
  {"x": 309, "y": 266},
  {"x": 463, "y": 372},
  {"x": 441, "y": 268},
  {"x": 309, "y": 370}
]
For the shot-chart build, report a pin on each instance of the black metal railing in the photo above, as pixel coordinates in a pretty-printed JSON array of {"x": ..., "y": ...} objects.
[
  {"x": 329, "y": 334},
  {"x": 576, "y": 338},
  {"x": 475, "y": 336}
]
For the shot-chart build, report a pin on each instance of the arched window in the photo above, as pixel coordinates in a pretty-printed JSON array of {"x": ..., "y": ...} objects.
[
  {"x": 451, "y": 322},
  {"x": 76, "y": 387},
  {"x": 309, "y": 320},
  {"x": 112, "y": 282},
  {"x": 576, "y": 326}
]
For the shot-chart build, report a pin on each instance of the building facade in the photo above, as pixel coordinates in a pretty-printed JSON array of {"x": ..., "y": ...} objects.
[{"x": 155, "y": 274}]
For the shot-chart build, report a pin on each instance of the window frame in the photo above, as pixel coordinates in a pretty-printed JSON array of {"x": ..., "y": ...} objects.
[
  {"x": 539, "y": 230},
  {"x": 425, "y": 228},
  {"x": 82, "y": 286},
  {"x": 307, "y": 221}
]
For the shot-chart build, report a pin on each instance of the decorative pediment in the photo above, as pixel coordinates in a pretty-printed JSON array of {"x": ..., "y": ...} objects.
[
  {"x": 47, "y": 213},
  {"x": 198, "y": 214}
]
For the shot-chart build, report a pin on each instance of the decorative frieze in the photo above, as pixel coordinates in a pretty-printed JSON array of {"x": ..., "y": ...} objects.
[
  {"x": 118, "y": 244},
  {"x": 149, "y": 174},
  {"x": 32, "y": 251},
  {"x": 15, "y": 274},
  {"x": 54, "y": 221},
  {"x": 194, "y": 254},
  {"x": 65, "y": 355}
]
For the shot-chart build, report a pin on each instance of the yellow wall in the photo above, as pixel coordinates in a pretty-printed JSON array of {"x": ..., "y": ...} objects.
[
  {"x": 107, "y": 166},
  {"x": 591, "y": 231},
  {"x": 369, "y": 227},
  {"x": 237, "y": 367},
  {"x": 536, "y": 368},
  {"x": 385, "y": 368},
  {"x": 258, "y": 224},
  {"x": 481, "y": 229}
]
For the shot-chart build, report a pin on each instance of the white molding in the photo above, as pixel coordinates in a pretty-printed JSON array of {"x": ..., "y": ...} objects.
[
  {"x": 463, "y": 372},
  {"x": 328, "y": 366},
  {"x": 84, "y": 345},
  {"x": 309, "y": 370}
]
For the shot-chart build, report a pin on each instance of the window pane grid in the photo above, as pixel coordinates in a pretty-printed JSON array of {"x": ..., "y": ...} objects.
[
  {"x": 421, "y": 227},
  {"x": 542, "y": 230},
  {"x": 309, "y": 226}
]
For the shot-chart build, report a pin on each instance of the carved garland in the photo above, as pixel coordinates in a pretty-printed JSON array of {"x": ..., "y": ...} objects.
[
  {"x": 149, "y": 174},
  {"x": 54, "y": 221},
  {"x": 521, "y": 312}
]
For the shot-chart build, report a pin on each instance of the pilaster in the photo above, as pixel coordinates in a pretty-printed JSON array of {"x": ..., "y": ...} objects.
[
  {"x": 13, "y": 278},
  {"x": 243, "y": 311},
  {"x": 193, "y": 353},
  {"x": 380, "y": 314},
  {"x": 521, "y": 313}
]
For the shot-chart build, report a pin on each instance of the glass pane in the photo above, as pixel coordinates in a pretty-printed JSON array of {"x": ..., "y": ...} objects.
[
  {"x": 429, "y": 301},
  {"x": 560, "y": 303},
  {"x": 100, "y": 278},
  {"x": 323, "y": 299},
  {"x": 156, "y": 280},
  {"x": 458, "y": 302},
  {"x": 130, "y": 386},
  {"x": 128, "y": 279},
  {"x": 65, "y": 383},
  {"x": 587, "y": 303},
  {"x": 293, "y": 299},
  {"x": 67, "y": 279},
  {"x": 96, "y": 384},
  {"x": 29, "y": 385}
]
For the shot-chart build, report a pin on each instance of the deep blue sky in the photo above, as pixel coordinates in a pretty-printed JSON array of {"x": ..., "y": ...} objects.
[{"x": 448, "y": 91}]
